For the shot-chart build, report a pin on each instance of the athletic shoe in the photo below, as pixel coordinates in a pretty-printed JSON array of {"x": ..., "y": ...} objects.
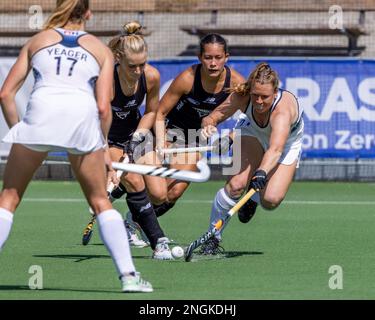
[
  {"x": 211, "y": 247},
  {"x": 133, "y": 238},
  {"x": 162, "y": 251},
  {"x": 247, "y": 211},
  {"x": 134, "y": 283}
]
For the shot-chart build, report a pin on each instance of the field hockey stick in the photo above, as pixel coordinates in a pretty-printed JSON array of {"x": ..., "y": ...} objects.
[
  {"x": 218, "y": 225},
  {"x": 216, "y": 147},
  {"x": 87, "y": 232},
  {"x": 185, "y": 175},
  {"x": 111, "y": 185}
]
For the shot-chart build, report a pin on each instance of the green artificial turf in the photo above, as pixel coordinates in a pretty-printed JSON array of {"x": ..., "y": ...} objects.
[{"x": 284, "y": 254}]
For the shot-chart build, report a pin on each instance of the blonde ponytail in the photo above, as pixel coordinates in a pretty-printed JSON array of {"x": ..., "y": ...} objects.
[
  {"x": 242, "y": 89},
  {"x": 65, "y": 11}
]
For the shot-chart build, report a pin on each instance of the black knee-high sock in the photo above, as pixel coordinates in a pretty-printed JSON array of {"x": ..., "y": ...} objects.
[
  {"x": 163, "y": 208},
  {"x": 118, "y": 192},
  {"x": 143, "y": 213}
]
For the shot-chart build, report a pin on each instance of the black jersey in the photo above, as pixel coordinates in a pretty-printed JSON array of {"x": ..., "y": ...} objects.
[
  {"x": 125, "y": 111},
  {"x": 197, "y": 104}
]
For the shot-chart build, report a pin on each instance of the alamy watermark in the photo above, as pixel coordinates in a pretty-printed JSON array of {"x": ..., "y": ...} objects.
[
  {"x": 226, "y": 150},
  {"x": 36, "y": 19},
  {"x": 36, "y": 280},
  {"x": 336, "y": 17},
  {"x": 336, "y": 281}
]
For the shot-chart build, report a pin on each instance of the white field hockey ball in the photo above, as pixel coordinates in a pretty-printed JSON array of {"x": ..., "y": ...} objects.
[{"x": 177, "y": 252}]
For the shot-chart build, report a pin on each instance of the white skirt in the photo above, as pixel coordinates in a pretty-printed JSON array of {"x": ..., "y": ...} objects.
[
  {"x": 59, "y": 119},
  {"x": 292, "y": 149}
]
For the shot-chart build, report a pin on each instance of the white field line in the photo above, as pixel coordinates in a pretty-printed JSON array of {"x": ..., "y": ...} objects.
[{"x": 289, "y": 202}]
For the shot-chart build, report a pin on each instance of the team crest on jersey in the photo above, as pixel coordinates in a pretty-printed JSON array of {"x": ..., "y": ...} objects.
[
  {"x": 131, "y": 103},
  {"x": 210, "y": 100},
  {"x": 202, "y": 112},
  {"x": 116, "y": 109},
  {"x": 192, "y": 101},
  {"x": 180, "y": 105},
  {"x": 122, "y": 114}
]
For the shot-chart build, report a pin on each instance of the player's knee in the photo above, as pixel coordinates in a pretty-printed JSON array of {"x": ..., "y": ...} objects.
[
  {"x": 9, "y": 199},
  {"x": 134, "y": 183},
  {"x": 272, "y": 201},
  {"x": 175, "y": 193},
  {"x": 99, "y": 203},
  {"x": 158, "y": 198},
  {"x": 235, "y": 187}
]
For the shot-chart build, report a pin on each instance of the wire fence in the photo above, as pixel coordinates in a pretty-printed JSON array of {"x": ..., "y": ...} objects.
[{"x": 173, "y": 26}]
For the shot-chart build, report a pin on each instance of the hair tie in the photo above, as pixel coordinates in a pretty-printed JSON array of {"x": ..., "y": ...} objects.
[{"x": 123, "y": 33}]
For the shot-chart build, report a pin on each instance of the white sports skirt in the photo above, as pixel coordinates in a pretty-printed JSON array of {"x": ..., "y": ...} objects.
[
  {"x": 59, "y": 119},
  {"x": 293, "y": 147}
]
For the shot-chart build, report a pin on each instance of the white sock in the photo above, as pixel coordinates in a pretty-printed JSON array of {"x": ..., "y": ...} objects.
[
  {"x": 113, "y": 234},
  {"x": 6, "y": 221},
  {"x": 221, "y": 205}
]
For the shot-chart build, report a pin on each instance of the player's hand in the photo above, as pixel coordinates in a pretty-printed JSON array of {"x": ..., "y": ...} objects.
[
  {"x": 159, "y": 149},
  {"x": 208, "y": 121},
  {"x": 112, "y": 178},
  {"x": 258, "y": 180},
  {"x": 111, "y": 173},
  {"x": 208, "y": 131},
  {"x": 107, "y": 159}
]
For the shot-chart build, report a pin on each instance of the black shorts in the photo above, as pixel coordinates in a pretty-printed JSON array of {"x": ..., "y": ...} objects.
[
  {"x": 145, "y": 147},
  {"x": 118, "y": 144}
]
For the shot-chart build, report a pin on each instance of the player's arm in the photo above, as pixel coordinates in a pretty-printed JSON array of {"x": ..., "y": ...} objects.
[
  {"x": 236, "y": 79},
  {"x": 149, "y": 117},
  {"x": 104, "y": 91},
  {"x": 104, "y": 83},
  {"x": 180, "y": 86},
  {"x": 229, "y": 106},
  {"x": 281, "y": 121},
  {"x": 152, "y": 100},
  {"x": 12, "y": 84},
  {"x": 103, "y": 94},
  {"x": 225, "y": 110}
]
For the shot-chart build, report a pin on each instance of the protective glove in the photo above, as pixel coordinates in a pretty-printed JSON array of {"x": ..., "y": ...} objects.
[
  {"x": 136, "y": 140},
  {"x": 258, "y": 180}
]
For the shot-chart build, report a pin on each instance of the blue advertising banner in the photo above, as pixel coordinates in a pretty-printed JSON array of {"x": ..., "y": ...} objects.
[{"x": 338, "y": 97}]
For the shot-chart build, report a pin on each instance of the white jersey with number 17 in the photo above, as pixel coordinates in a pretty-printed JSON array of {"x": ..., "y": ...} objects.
[{"x": 62, "y": 110}]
